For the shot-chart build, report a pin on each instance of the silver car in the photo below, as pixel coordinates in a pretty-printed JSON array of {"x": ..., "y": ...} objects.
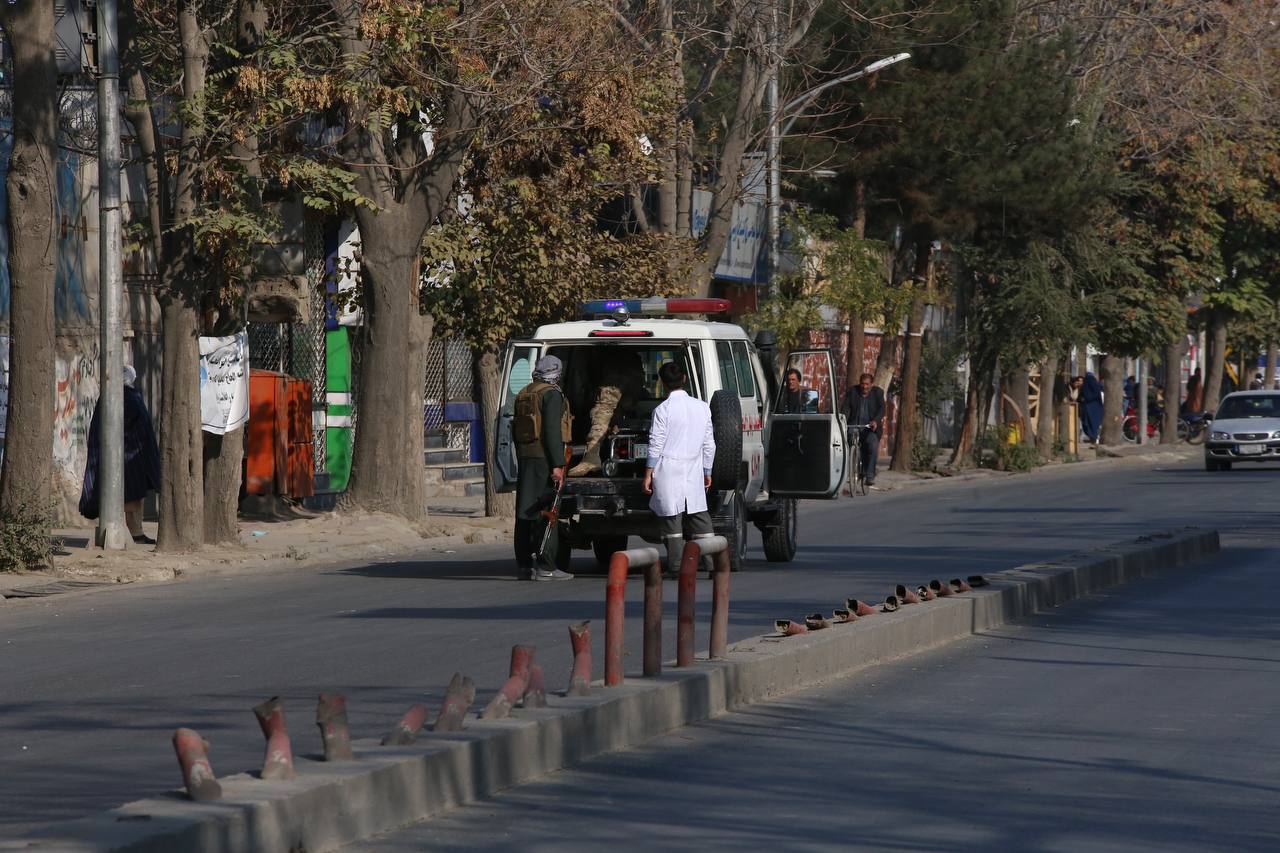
[{"x": 1246, "y": 428}]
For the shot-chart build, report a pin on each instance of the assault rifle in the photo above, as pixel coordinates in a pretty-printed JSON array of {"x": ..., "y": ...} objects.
[{"x": 552, "y": 515}]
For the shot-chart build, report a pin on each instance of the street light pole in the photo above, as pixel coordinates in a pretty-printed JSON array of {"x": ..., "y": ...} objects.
[
  {"x": 112, "y": 533},
  {"x": 777, "y": 131}
]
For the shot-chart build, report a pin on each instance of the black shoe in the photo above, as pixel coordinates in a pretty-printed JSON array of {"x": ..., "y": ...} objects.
[
  {"x": 143, "y": 539},
  {"x": 524, "y": 573}
]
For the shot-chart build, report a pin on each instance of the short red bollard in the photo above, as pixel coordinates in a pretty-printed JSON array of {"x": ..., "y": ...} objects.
[
  {"x": 510, "y": 692},
  {"x": 652, "y": 620},
  {"x": 197, "y": 773},
  {"x": 331, "y": 717},
  {"x": 406, "y": 731},
  {"x": 614, "y": 610},
  {"x": 580, "y": 678},
  {"x": 690, "y": 560},
  {"x": 535, "y": 695},
  {"x": 939, "y": 588},
  {"x": 277, "y": 764},
  {"x": 457, "y": 701},
  {"x": 789, "y": 628}
]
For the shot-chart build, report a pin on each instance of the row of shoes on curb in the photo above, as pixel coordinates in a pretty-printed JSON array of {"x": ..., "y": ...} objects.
[{"x": 855, "y": 609}]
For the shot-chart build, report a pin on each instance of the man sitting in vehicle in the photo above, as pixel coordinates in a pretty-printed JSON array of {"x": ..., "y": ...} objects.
[
  {"x": 864, "y": 406},
  {"x": 794, "y": 399}
]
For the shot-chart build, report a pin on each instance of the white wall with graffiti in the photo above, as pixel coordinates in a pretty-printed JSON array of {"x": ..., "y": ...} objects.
[{"x": 76, "y": 320}]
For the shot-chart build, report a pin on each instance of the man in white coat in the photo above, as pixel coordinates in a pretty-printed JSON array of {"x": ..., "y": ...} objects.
[{"x": 682, "y": 449}]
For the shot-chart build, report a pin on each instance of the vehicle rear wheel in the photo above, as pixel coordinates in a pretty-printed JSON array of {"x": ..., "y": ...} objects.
[
  {"x": 1184, "y": 430},
  {"x": 605, "y": 547},
  {"x": 732, "y": 525},
  {"x": 726, "y": 428},
  {"x": 1130, "y": 429},
  {"x": 781, "y": 537}
]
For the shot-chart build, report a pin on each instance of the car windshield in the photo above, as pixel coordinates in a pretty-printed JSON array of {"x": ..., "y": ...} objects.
[{"x": 1250, "y": 406}]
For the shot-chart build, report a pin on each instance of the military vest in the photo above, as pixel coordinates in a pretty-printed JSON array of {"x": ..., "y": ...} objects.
[{"x": 526, "y": 428}]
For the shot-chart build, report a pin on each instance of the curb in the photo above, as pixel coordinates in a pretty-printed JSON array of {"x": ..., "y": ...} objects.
[{"x": 332, "y": 804}]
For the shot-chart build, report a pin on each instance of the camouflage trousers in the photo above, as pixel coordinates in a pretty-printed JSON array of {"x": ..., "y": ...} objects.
[{"x": 607, "y": 400}]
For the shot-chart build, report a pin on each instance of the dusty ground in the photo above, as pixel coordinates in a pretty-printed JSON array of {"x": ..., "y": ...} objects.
[{"x": 300, "y": 542}]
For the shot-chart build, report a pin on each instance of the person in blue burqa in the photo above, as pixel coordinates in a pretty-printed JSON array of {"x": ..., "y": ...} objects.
[
  {"x": 141, "y": 461},
  {"x": 1091, "y": 407}
]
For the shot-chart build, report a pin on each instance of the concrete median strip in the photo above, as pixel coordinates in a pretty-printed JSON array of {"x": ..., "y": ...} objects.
[{"x": 329, "y": 804}]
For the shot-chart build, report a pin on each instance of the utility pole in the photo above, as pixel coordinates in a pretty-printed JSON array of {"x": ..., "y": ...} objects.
[
  {"x": 112, "y": 533},
  {"x": 1140, "y": 380},
  {"x": 774, "y": 203}
]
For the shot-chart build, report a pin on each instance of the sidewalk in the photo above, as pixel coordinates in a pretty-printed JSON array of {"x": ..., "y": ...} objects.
[
  {"x": 1090, "y": 457},
  {"x": 306, "y": 541},
  {"x": 310, "y": 541}
]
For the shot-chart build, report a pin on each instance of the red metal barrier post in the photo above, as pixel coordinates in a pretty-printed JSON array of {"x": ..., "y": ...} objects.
[
  {"x": 193, "y": 758},
  {"x": 614, "y": 611},
  {"x": 278, "y": 761},
  {"x": 580, "y": 678},
  {"x": 689, "y": 561}
]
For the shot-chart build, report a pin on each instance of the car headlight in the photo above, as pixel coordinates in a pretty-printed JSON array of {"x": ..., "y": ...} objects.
[
  {"x": 1220, "y": 436},
  {"x": 1276, "y": 434}
]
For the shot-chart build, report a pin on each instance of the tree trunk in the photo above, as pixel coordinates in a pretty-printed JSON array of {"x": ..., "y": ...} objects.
[
  {"x": 906, "y": 432},
  {"x": 669, "y": 147},
  {"x": 489, "y": 378},
  {"x": 1113, "y": 400},
  {"x": 387, "y": 470},
  {"x": 887, "y": 360},
  {"x": 1269, "y": 378},
  {"x": 854, "y": 366},
  {"x": 1018, "y": 388},
  {"x": 1217, "y": 362},
  {"x": 1046, "y": 407},
  {"x": 28, "y": 444},
  {"x": 223, "y": 456},
  {"x": 1173, "y": 354},
  {"x": 962, "y": 456},
  {"x": 181, "y": 497}
]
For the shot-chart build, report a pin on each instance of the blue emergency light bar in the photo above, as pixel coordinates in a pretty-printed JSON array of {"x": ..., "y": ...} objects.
[{"x": 654, "y": 306}]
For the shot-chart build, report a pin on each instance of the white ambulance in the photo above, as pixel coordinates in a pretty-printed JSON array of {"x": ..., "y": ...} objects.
[{"x": 765, "y": 460}]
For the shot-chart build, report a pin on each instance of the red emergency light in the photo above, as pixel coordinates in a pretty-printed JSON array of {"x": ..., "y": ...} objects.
[{"x": 620, "y": 333}]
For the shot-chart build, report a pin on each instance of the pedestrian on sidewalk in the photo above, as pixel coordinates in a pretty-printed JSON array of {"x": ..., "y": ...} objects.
[
  {"x": 864, "y": 406},
  {"x": 541, "y": 427},
  {"x": 1091, "y": 407},
  {"x": 141, "y": 461},
  {"x": 682, "y": 450}
]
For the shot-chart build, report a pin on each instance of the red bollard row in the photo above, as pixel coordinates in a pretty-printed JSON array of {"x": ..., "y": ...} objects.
[
  {"x": 648, "y": 559},
  {"x": 526, "y": 685},
  {"x": 855, "y": 609}
]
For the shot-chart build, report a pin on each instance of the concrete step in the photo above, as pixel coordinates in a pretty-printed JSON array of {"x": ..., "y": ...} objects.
[
  {"x": 456, "y": 489},
  {"x": 444, "y": 455},
  {"x": 453, "y": 471},
  {"x": 434, "y": 440}
]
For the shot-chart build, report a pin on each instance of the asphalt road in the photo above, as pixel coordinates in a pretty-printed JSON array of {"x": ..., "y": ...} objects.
[
  {"x": 92, "y": 685},
  {"x": 1141, "y": 719}
]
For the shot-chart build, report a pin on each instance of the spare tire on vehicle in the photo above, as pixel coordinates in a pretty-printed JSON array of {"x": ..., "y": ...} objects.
[{"x": 726, "y": 427}]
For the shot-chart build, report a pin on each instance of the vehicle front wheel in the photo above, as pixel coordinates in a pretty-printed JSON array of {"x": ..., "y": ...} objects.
[
  {"x": 1215, "y": 465},
  {"x": 605, "y": 547},
  {"x": 781, "y": 536}
]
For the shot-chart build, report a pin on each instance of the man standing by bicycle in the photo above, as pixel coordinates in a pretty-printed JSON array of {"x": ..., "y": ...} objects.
[{"x": 864, "y": 407}]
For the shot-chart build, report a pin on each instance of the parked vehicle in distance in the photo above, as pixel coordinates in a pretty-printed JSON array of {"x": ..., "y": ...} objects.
[{"x": 1245, "y": 428}]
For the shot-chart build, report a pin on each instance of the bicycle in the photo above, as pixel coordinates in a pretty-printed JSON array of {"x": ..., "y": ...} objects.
[{"x": 857, "y": 477}]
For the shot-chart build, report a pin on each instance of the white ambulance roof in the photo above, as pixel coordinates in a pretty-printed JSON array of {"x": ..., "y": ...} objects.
[{"x": 663, "y": 329}]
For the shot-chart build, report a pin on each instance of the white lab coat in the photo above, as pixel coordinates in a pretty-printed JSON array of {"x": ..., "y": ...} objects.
[{"x": 681, "y": 445}]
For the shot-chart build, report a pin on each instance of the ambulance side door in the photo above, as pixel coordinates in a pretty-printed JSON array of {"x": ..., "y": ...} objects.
[
  {"x": 517, "y": 372},
  {"x": 807, "y": 451}
]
